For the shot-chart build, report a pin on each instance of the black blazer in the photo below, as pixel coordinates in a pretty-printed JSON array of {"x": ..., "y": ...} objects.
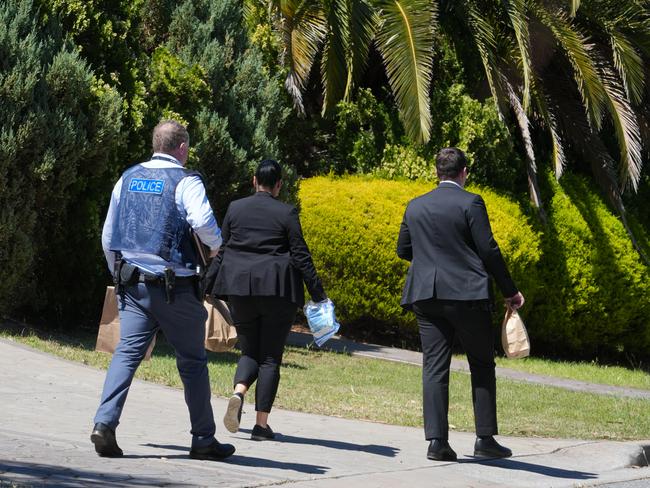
[
  {"x": 264, "y": 253},
  {"x": 447, "y": 237}
]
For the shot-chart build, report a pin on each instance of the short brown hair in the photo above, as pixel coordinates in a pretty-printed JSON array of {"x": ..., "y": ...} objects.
[
  {"x": 450, "y": 161},
  {"x": 168, "y": 135}
]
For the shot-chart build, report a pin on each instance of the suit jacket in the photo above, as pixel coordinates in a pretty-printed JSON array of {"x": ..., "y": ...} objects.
[
  {"x": 264, "y": 252},
  {"x": 446, "y": 235}
]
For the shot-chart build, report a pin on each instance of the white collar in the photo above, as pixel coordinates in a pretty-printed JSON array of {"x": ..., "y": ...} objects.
[{"x": 452, "y": 182}]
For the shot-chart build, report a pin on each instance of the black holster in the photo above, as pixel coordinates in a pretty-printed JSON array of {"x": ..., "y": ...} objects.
[
  {"x": 117, "y": 275},
  {"x": 170, "y": 284},
  {"x": 124, "y": 274}
]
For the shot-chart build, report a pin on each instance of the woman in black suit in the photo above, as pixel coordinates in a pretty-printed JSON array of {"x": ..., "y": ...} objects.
[{"x": 261, "y": 267}]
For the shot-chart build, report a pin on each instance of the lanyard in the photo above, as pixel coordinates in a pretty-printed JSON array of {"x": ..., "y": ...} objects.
[{"x": 165, "y": 158}]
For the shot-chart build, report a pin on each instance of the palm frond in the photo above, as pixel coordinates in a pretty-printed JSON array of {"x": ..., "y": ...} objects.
[
  {"x": 629, "y": 65},
  {"x": 248, "y": 9},
  {"x": 621, "y": 25},
  {"x": 603, "y": 165},
  {"x": 522, "y": 122},
  {"x": 405, "y": 41},
  {"x": 531, "y": 165},
  {"x": 302, "y": 26},
  {"x": 627, "y": 131},
  {"x": 575, "y": 5},
  {"x": 633, "y": 18},
  {"x": 574, "y": 125},
  {"x": 351, "y": 28},
  {"x": 363, "y": 27},
  {"x": 580, "y": 54},
  {"x": 519, "y": 20},
  {"x": 334, "y": 65},
  {"x": 486, "y": 43},
  {"x": 548, "y": 110},
  {"x": 559, "y": 159}
]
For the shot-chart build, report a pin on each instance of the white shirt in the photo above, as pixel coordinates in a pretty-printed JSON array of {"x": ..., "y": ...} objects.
[{"x": 192, "y": 203}]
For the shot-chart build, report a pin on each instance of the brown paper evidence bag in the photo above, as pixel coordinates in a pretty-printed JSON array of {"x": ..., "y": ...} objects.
[
  {"x": 514, "y": 336},
  {"x": 220, "y": 333}
]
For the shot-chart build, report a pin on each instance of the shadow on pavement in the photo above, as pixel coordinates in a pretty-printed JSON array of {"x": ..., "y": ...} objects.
[
  {"x": 168, "y": 446},
  {"x": 536, "y": 468},
  {"x": 38, "y": 474},
  {"x": 238, "y": 460},
  {"x": 270, "y": 463},
  {"x": 379, "y": 450}
]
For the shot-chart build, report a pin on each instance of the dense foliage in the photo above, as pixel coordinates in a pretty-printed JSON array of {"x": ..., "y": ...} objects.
[
  {"x": 579, "y": 275},
  {"x": 237, "y": 108},
  {"x": 462, "y": 121},
  {"x": 59, "y": 129},
  {"x": 573, "y": 73},
  {"x": 76, "y": 113},
  {"x": 82, "y": 83}
]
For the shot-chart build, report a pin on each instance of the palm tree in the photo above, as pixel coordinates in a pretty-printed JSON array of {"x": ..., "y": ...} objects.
[
  {"x": 576, "y": 68},
  {"x": 341, "y": 32}
]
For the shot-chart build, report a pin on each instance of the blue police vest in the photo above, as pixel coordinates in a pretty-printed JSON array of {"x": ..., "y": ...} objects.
[{"x": 148, "y": 220}]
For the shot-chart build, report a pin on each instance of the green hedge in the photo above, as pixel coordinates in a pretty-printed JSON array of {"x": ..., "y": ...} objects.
[
  {"x": 586, "y": 291},
  {"x": 595, "y": 291}
]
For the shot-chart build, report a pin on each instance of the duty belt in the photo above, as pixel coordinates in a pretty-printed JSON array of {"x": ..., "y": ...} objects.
[
  {"x": 160, "y": 279},
  {"x": 169, "y": 281}
]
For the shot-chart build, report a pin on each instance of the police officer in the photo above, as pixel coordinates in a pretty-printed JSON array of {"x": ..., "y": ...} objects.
[{"x": 147, "y": 243}]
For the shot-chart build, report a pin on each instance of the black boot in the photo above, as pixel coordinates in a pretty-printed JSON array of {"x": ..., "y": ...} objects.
[
  {"x": 105, "y": 443},
  {"x": 440, "y": 450},
  {"x": 487, "y": 446},
  {"x": 214, "y": 452}
]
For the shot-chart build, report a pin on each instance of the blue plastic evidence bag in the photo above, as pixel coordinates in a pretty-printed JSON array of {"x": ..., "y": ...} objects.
[{"x": 321, "y": 320}]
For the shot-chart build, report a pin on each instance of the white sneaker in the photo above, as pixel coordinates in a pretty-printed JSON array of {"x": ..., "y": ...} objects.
[{"x": 232, "y": 417}]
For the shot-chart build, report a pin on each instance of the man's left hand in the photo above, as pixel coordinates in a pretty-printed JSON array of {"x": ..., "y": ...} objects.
[{"x": 516, "y": 301}]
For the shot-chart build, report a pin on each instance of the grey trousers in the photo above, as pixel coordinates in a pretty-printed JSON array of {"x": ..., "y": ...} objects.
[{"x": 143, "y": 311}]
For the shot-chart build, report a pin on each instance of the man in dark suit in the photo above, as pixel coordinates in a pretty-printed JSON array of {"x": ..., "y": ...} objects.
[{"x": 446, "y": 236}]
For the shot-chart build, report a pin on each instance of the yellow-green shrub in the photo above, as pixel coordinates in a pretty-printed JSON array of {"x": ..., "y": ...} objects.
[{"x": 586, "y": 289}]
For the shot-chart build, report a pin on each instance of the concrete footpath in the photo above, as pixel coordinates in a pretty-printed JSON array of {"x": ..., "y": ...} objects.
[{"x": 47, "y": 406}]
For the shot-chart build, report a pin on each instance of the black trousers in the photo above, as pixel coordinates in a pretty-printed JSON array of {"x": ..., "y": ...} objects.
[
  {"x": 263, "y": 324},
  {"x": 439, "y": 321}
]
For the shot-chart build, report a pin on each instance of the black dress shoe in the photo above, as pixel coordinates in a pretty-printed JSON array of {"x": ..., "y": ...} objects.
[
  {"x": 489, "y": 447},
  {"x": 214, "y": 452},
  {"x": 105, "y": 443},
  {"x": 262, "y": 433},
  {"x": 440, "y": 450},
  {"x": 232, "y": 417}
]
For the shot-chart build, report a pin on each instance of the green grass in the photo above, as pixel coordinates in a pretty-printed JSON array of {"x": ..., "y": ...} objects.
[
  {"x": 381, "y": 391},
  {"x": 589, "y": 372}
]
